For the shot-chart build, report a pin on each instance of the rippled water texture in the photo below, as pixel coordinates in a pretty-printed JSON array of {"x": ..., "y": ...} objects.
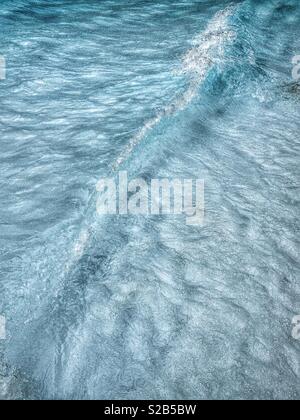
[{"x": 137, "y": 307}]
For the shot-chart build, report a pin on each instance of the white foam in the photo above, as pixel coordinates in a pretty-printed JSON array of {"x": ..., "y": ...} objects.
[{"x": 207, "y": 50}]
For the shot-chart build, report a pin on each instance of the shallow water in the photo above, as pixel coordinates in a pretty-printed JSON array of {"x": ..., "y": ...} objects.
[{"x": 147, "y": 307}]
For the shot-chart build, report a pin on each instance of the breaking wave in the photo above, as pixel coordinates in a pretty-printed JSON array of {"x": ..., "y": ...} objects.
[{"x": 149, "y": 308}]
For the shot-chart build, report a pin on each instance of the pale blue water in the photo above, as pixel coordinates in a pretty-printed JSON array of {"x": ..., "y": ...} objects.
[{"x": 149, "y": 307}]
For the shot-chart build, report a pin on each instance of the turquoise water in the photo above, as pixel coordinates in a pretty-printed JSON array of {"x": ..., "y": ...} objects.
[{"x": 114, "y": 307}]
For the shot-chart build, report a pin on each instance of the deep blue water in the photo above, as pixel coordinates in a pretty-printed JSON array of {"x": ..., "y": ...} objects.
[{"x": 141, "y": 307}]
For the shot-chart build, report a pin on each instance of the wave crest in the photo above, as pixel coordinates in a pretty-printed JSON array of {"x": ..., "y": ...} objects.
[{"x": 208, "y": 50}]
